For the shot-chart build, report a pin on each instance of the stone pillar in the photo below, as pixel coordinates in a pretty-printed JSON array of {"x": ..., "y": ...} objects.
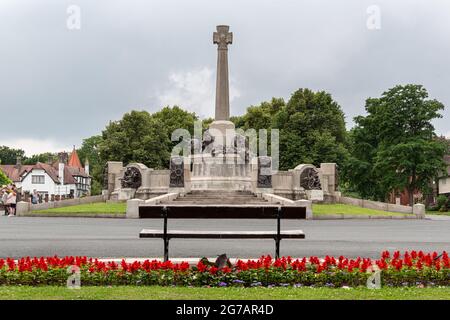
[
  {"x": 222, "y": 38},
  {"x": 308, "y": 205},
  {"x": 254, "y": 174},
  {"x": 329, "y": 175},
  {"x": 419, "y": 210},
  {"x": 114, "y": 170},
  {"x": 133, "y": 208},
  {"x": 22, "y": 208},
  {"x": 187, "y": 174}
]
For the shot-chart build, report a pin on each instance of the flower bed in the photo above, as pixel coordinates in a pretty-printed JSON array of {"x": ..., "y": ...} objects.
[{"x": 410, "y": 269}]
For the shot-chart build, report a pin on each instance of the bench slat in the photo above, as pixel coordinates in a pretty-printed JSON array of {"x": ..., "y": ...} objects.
[
  {"x": 286, "y": 234},
  {"x": 220, "y": 212}
]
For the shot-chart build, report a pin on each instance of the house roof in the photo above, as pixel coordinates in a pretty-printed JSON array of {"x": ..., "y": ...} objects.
[
  {"x": 74, "y": 160},
  {"x": 14, "y": 172},
  {"x": 18, "y": 172},
  {"x": 53, "y": 173}
]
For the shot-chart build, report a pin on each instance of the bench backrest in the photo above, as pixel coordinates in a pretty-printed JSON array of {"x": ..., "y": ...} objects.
[{"x": 221, "y": 212}]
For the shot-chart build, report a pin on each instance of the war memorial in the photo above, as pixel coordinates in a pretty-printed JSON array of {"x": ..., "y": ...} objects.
[{"x": 221, "y": 166}]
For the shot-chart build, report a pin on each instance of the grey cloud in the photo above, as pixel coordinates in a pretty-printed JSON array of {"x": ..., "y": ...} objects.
[{"x": 66, "y": 85}]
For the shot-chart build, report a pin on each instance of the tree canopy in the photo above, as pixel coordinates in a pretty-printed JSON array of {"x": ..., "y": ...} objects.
[
  {"x": 395, "y": 147},
  {"x": 3, "y": 178},
  {"x": 137, "y": 137},
  {"x": 9, "y": 155}
]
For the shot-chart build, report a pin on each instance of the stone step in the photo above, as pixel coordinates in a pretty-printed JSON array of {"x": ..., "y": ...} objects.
[
  {"x": 218, "y": 197},
  {"x": 198, "y": 192},
  {"x": 224, "y": 197},
  {"x": 217, "y": 202}
]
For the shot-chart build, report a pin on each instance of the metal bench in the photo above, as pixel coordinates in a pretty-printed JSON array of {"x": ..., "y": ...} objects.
[{"x": 221, "y": 212}]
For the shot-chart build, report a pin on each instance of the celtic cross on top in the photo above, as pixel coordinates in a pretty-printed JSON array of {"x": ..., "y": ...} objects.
[{"x": 222, "y": 37}]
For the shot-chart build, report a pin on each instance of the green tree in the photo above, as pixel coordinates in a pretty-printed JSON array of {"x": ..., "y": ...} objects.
[
  {"x": 175, "y": 118},
  {"x": 395, "y": 145},
  {"x": 9, "y": 155},
  {"x": 312, "y": 129},
  {"x": 90, "y": 150},
  {"x": 41, "y": 157},
  {"x": 261, "y": 116},
  {"x": 137, "y": 137},
  {"x": 4, "y": 179}
]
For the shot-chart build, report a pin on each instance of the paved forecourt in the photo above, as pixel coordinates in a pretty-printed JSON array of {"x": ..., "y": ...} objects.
[{"x": 98, "y": 237}]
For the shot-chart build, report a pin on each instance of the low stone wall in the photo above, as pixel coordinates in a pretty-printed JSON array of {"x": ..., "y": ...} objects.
[
  {"x": 375, "y": 205},
  {"x": 25, "y": 207},
  {"x": 133, "y": 204},
  {"x": 273, "y": 198}
]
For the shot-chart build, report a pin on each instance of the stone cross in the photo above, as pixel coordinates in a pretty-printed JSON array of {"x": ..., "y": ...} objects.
[{"x": 222, "y": 38}]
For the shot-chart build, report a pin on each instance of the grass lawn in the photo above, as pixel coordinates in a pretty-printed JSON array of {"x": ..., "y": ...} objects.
[
  {"x": 438, "y": 213},
  {"x": 120, "y": 208},
  {"x": 94, "y": 208},
  {"x": 323, "y": 209},
  {"x": 168, "y": 293}
]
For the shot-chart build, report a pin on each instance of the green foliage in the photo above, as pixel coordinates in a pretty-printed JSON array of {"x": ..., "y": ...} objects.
[
  {"x": 137, "y": 137},
  {"x": 4, "y": 179},
  {"x": 261, "y": 116},
  {"x": 443, "y": 203},
  {"x": 9, "y": 155},
  {"x": 42, "y": 157},
  {"x": 90, "y": 150},
  {"x": 311, "y": 124},
  {"x": 395, "y": 147},
  {"x": 175, "y": 118},
  {"x": 282, "y": 275}
]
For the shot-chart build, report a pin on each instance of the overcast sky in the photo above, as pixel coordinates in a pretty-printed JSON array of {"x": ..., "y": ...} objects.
[{"x": 59, "y": 85}]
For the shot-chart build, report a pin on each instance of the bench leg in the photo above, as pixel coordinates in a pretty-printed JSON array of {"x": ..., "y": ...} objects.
[
  {"x": 278, "y": 237},
  {"x": 277, "y": 248},
  {"x": 166, "y": 250}
]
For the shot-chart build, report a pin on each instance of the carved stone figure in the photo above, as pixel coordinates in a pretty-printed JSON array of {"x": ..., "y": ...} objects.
[
  {"x": 208, "y": 139},
  {"x": 264, "y": 172},
  {"x": 309, "y": 179},
  {"x": 132, "y": 178},
  {"x": 176, "y": 172}
]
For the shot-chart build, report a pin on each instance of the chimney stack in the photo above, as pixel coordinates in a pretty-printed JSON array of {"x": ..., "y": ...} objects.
[
  {"x": 86, "y": 166},
  {"x": 18, "y": 162},
  {"x": 62, "y": 161}
]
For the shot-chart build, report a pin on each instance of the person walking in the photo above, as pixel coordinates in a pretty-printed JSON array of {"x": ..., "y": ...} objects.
[
  {"x": 5, "y": 200},
  {"x": 34, "y": 197},
  {"x": 3, "y": 196},
  {"x": 11, "y": 202}
]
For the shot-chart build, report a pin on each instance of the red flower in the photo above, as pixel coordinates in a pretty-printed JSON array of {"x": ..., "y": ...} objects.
[
  {"x": 201, "y": 267},
  {"x": 226, "y": 269},
  {"x": 213, "y": 270}
]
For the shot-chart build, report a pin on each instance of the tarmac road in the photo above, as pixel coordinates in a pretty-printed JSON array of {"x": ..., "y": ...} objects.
[{"x": 95, "y": 237}]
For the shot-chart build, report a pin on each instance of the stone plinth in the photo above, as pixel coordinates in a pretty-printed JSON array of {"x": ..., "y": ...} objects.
[
  {"x": 225, "y": 127},
  {"x": 126, "y": 194},
  {"x": 222, "y": 172}
]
